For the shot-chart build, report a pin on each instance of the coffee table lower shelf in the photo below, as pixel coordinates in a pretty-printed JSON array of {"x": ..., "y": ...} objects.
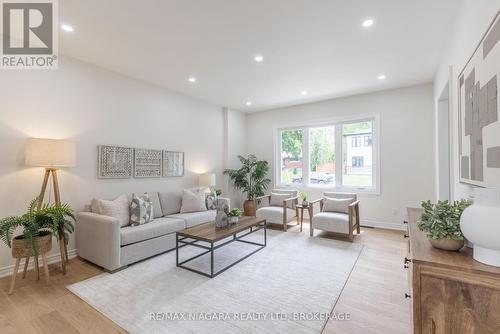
[{"x": 181, "y": 241}]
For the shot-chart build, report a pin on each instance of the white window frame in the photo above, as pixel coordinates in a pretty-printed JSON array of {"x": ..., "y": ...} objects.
[{"x": 337, "y": 123}]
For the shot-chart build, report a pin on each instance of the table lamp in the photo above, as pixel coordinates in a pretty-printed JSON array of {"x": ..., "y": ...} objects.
[
  {"x": 52, "y": 154},
  {"x": 207, "y": 180}
]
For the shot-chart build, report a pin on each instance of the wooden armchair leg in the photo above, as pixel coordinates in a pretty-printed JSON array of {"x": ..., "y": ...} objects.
[{"x": 358, "y": 229}]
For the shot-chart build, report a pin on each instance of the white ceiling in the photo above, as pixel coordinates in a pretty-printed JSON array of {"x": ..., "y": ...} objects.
[{"x": 314, "y": 45}]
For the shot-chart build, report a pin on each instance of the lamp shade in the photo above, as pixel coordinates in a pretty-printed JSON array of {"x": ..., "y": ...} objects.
[
  {"x": 52, "y": 153},
  {"x": 206, "y": 180}
]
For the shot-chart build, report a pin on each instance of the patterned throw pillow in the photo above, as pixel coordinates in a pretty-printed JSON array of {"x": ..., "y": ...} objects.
[
  {"x": 211, "y": 201},
  {"x": 141, "y": 210}
]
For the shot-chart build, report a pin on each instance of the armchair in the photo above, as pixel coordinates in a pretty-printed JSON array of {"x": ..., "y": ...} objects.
[
  {"x": 279, "y": 207},
  {"x": 339, "y": 213}
]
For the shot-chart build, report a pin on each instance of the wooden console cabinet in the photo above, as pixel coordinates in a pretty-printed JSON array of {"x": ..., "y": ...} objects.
[{"x": 450, "y": 292}]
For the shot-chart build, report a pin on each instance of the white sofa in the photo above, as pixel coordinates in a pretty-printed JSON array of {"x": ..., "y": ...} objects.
[{"x": 101, "y": 240}]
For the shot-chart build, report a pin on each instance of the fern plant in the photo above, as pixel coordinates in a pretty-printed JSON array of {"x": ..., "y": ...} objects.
[
  {"x": 56, "y": 219},
  {"x": 442, "y": 220},
  {"x": 251, "y": 178}
]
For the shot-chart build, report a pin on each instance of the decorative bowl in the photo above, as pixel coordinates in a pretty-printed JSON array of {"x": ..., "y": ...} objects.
[{"x": 447, "y": 244}]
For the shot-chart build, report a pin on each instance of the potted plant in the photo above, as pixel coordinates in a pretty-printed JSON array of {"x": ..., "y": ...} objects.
[
  {"x": 234, "y": 215},
  {"x": 441, "y": 223},
  {"x": 252, "y": 179},
  {"x": 304, "y": 198},
  {"x": 39, "y": 225},
  {"x": 218, "y": 192}
]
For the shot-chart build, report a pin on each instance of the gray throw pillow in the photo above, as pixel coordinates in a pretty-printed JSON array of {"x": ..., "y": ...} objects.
[
  {"x": 141, "y": 209},
  {"x": 337, "y": 205},
  {"x": 277, "y": 199}
]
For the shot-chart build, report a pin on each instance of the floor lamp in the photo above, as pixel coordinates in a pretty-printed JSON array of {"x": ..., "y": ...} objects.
[{"x": 52, "y": 154}]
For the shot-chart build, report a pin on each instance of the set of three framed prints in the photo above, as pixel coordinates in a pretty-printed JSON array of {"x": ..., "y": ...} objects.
[{"x": 118, "y": 162}]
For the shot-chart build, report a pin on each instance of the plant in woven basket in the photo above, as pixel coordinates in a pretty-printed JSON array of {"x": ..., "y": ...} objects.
[
  {"x": 442, "y": 220},
  {"x": 56, "y": 219}
]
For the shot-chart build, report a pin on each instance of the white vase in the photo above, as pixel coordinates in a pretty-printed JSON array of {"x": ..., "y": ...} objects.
[{"x": 480, "y": 224}]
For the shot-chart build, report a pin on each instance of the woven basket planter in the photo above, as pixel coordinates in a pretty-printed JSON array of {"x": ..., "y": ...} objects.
[{"x": 21, "y": 248}]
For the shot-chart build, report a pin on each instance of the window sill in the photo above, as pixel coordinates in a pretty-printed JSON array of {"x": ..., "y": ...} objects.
[{"x": 326, "y": 188}]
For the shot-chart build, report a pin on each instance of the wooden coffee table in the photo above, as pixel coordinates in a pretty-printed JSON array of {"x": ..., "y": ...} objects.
[{"x": 201, "y": 235}]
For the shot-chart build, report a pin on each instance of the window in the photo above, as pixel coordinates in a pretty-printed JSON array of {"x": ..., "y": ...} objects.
[
  {"x": 368, "y": 140},
  {"x": 356, "y": 141},
  {"x": 322, "y": 155},
  {"x": 335, "y": 155},
  {"x": 291, "y": 156},
  {"x": 357, "y": 161}
]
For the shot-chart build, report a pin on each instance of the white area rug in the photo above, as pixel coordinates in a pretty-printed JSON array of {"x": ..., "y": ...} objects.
[{"x": 276, "y": 290}]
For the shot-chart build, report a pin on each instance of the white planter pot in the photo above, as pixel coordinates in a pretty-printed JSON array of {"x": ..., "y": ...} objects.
[{"x": 481, "y": 225}]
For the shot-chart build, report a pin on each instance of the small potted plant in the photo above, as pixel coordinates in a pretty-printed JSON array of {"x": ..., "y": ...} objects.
[
  {"x": 441, "y": 223},
  {"x": 304, "y": 198},
  {"x": 39, "y": 225},
  {"x": 234, "y": 215},
  {"x": 218, "y": 192}
]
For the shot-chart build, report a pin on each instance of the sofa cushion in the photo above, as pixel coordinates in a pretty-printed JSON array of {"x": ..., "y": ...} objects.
[
  {"x": 155, "y": 228},
  {"x": 155, "y": 200},
  {"x": 274, "y": 214},
  {"x": 331, "y": 221},
  {"x": 170, "y": 202},
  {"x": 193, "y": 201},
  {"x": 195, "y": 218},
  {"x": 117, "y": 208}
]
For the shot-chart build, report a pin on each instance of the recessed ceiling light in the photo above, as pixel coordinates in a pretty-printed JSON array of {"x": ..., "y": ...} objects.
[
  {"x": 381, "y": 77},
  {"x": 67, "y": 28},
  {"x": 368, "y": 23},
  {"x": 304, "y": 92},
  {"x": 259, "y": 58},
  {"x": 192, "y": 79},
  {"x": 248, "y": 103}
]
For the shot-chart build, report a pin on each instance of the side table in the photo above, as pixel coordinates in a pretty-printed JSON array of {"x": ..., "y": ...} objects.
[{"x": 303, "y": 206}]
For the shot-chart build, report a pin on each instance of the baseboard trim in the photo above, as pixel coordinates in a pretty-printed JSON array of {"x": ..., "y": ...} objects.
[
  {"x": 53, "y": 258},
  {"x": 388, "y": 226}
]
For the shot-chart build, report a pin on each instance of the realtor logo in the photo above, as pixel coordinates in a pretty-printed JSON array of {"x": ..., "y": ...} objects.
[{"x": 29, "y": 34}]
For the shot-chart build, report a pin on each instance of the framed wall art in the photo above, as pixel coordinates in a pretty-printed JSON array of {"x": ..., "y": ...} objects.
[
  {"x": 479, "y": 124},
  {"x": 115, "y": 162},
  {"x": 173, "y": 163},
  {"x": 148, "y": 163}
]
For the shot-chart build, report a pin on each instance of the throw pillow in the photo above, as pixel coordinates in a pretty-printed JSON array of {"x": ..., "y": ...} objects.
[
  {"x": 141, "y": 209},
  {"x": 117, "y": 208},
  {"x": 337, "y": 205},
  {"x": 193, "y": 201},
  {"x": 277, "y": 199},
  {"x": 211, "y": 201}
]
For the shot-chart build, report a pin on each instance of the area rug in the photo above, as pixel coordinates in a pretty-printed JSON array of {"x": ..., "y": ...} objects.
[{"x": 291, "y": 286}]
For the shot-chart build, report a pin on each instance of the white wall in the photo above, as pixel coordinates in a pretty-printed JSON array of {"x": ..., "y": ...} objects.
[
  {"x": 235, "y": 144},
  {"x": 472, "y": 21},
  {"x": 92, "y": 106},
  {"x": 406, "y": 137}
]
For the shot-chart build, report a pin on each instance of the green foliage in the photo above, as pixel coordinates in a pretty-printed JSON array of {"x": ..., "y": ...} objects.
[
  {"x": 251, "y": 178},
  {"x": 349, "y": 128},
  {"x": 303, "y": 197},
  {"x": 54, "y": 218},
  {"x": 442, "y": 220},
  {"x": 291, "y": 143},
  {"x": 234, "y": 212},
  {"x": 322, "y": 146},
  {"x": 218, "y": 192}
]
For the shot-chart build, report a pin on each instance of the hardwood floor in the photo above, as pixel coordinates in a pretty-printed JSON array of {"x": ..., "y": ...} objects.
[{"x": 373, "y": 295}]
